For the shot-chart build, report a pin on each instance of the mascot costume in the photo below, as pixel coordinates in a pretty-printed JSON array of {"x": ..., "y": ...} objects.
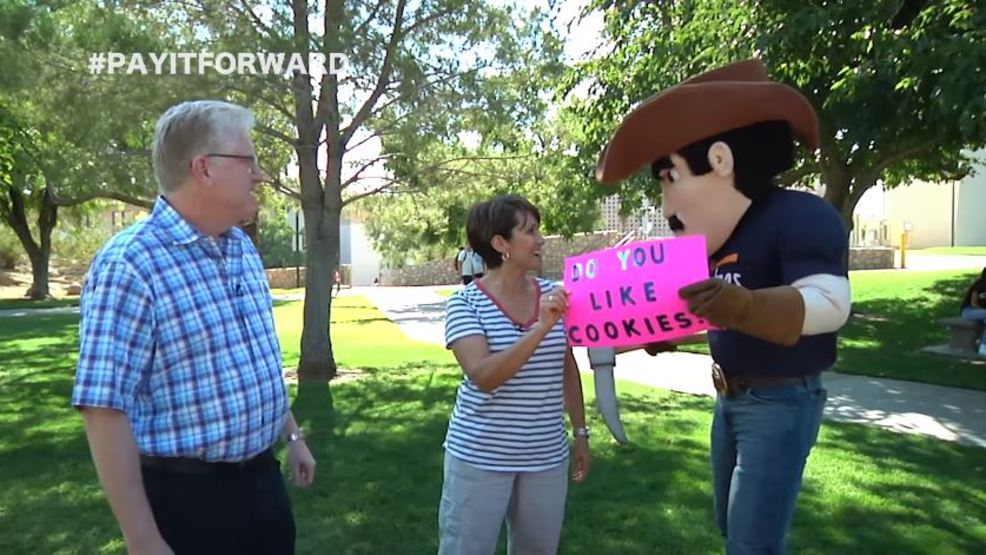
[{"x": 779, "y": 290}]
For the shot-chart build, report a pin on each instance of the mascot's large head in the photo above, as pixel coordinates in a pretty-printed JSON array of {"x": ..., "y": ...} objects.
[{"x": 716, "y": 142}]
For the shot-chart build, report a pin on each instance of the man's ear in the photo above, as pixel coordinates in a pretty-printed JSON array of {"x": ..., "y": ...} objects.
[
  {"x": 721, "y": 159},
  {"x": 200, "y": 167}
]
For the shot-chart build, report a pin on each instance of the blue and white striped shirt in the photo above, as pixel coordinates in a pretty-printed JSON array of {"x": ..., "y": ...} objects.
[
  {"x": 177, "y": 332},
  {"x": 520, "y": 425}
]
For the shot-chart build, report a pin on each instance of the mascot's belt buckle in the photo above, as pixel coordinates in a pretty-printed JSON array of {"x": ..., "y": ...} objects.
[{"x": 719, "y": 380}]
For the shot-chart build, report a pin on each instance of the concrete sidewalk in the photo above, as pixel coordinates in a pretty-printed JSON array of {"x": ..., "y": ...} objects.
[{"x": 945, "y": 413}]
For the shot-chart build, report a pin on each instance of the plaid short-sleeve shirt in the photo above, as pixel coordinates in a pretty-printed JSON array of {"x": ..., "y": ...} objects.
[{"x": 177, "y": 332}]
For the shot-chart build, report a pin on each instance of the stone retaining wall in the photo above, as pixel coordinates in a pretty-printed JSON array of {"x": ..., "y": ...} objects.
[
  {"x": 871, "y": 258},
  {"x": 442, "y": 272},
  {"x": 289, "y": 278},
  {"x": 285, "y": 278}
]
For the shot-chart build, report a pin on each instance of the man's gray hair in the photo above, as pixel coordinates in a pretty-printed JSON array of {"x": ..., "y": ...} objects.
[{"x": 192, "y": 129}]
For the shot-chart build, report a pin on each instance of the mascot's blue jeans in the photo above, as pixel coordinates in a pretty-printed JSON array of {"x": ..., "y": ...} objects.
[{"x": 761, "y": 438}]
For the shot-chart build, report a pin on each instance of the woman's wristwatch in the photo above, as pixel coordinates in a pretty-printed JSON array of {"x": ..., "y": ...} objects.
[{"x": 580, "y": 432}]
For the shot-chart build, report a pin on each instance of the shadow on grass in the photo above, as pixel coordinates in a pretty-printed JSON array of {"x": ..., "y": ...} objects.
[
  {"x": 868, "y": 491},
  {"x": 50, "y": 499},
  {"x": 884, "y": 338},
  {"x": 378, "y": 445}
]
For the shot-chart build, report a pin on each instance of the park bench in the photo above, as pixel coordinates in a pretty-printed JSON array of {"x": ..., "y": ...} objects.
[{"x": 964, "y": 334}]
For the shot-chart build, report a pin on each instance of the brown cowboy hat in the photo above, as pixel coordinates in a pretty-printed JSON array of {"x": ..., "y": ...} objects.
[{"x": 714, "y": 102}]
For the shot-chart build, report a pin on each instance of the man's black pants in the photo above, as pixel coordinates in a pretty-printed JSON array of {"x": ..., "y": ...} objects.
[{"x": 220, "y": 508}]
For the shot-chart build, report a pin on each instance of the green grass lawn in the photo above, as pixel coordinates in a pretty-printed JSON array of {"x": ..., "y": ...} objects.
[
  {"x": 951, "y": 251},
  {"x": 378, "y": 443},
  {"x": 11, "y": 304},
  {"x": 292, "y": 291},
  {"x": 895, "y": 315}
]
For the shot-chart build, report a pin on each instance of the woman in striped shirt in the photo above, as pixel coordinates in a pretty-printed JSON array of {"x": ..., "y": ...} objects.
[{"x": 506, "y": 449}]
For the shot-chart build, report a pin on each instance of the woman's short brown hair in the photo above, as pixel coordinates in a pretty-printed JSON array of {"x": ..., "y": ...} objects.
[{"x": 497, "y": 216}]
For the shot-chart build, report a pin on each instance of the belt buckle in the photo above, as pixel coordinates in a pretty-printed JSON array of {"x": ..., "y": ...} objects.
[{"x": 719, "y": 380}]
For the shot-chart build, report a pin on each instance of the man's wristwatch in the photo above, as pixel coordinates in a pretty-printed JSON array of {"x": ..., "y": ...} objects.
[
  {"x": 294, "y": 436},
  {"x": 580, "y": 432}
]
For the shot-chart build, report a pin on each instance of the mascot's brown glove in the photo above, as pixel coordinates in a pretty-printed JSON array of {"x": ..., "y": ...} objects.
[{"x": 775, "y": 314}]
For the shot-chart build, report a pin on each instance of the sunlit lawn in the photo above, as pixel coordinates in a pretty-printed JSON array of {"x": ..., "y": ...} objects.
[
  {"x": 895, "y": 315},
  {"x": 9, "y": 304},
  {"x": 378, "y": 442},
  {"x": 951, "y": 251}
]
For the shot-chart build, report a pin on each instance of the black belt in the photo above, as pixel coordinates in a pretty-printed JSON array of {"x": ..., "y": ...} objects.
[
  {"x": 730, "y": 385},
  {"x": 184, "y": 465}
]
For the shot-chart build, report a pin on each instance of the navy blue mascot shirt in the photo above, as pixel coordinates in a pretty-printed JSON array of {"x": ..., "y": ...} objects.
[{"x": 783, "y": 237}]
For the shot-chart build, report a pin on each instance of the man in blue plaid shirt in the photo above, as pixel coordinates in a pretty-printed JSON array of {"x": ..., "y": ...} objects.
[{"x": 179, "y": 376}]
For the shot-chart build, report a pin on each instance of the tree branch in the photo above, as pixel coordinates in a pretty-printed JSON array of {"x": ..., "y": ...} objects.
[
  {"x": 355, "y": 177},
  {"x": 382, "y": 81},
  {"x": 899, "y": 156},
  {"x": 275, "y": 183},
  {"x": 59, "y": 200},
  {"x": 266, "y": 100},
  {"x": 371, "y": 192},
  {"x": 437, "y": 168},
  {"x": 270, "y": 132},
  {"x": 794, "y": 175},
  {"x": 259, "y": 25},
  {"x": 367, "y": 139},
  {"x": 373, "y": 13},
  {"x": 426, "y": 20}
]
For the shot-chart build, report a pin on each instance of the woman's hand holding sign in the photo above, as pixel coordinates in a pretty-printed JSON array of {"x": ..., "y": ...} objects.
[{"x": 553, "y": 306}]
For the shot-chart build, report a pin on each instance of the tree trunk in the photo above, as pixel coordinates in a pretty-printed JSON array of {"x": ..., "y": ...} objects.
[
  {"x": 837, "y": 183},
  {"x": 322, "y": 233},
  {"x": 39, "y": 253}
]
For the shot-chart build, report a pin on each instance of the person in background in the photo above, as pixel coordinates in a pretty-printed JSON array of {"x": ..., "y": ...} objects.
[
  {"x": 179, "y": 379},
  {"x": 478, "y": 266},
  {"x": 506, "y": 449},
  {"x": 337, "y": 282},
  {"x": 974, "y": 307},
  {"x": 463, "y": 264}
]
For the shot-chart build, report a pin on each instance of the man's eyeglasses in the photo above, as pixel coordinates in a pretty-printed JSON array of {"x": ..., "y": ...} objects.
[{"x": 253, "y": 166}]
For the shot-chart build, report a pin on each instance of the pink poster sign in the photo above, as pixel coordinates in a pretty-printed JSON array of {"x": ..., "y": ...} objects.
[{"x": 628, "y": 295}]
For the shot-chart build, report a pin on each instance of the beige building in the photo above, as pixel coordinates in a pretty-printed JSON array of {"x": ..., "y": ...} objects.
[{"x": 933, "y": 214}]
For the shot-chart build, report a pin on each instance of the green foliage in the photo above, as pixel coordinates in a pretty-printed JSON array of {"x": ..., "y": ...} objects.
[
  {"x": 77, "y": 243},
  {"x": 424, "y": 216},
  {"x": 11, "y": 251},
  {"x": 429, "y": 223},
  {"x": 898, "y": 90}
]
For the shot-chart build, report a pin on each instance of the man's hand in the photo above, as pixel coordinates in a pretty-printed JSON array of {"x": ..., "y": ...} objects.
[
  {"x": 581, "y": 460},
  {"x": 301, "y": 464},
  {"x": 722, "y": 304}
]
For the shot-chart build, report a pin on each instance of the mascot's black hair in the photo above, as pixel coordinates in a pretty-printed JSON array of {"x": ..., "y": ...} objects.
[{"x": 760, "y": 153}]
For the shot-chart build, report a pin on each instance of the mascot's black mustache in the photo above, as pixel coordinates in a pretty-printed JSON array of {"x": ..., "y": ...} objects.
[{"x": 675, "y": 224}]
